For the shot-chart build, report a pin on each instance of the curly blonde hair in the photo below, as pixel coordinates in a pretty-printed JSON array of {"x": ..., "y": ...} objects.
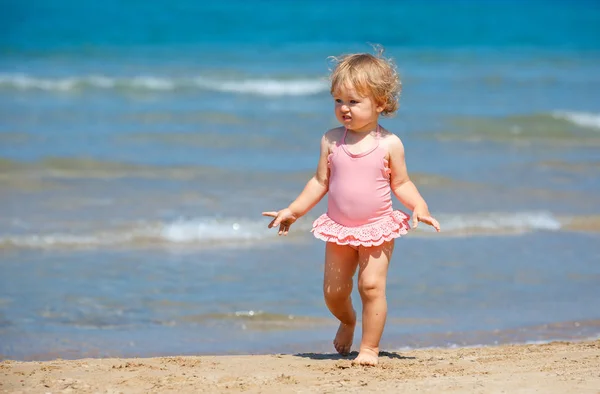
[{"x": 371, "y": 75}]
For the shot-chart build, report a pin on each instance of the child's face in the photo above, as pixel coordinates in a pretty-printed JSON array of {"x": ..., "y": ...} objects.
[{"x": 356, "y": 112}]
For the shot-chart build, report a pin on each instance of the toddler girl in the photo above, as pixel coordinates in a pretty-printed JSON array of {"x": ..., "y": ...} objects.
[{"x": 359, "y": 165}]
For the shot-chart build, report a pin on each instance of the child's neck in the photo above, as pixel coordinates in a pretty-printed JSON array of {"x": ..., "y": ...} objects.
[{"x": 366, "y": 130}]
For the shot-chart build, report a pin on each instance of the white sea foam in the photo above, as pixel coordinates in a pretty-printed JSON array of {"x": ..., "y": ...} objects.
[
  {"x": 198, "y": 231},
  {"x": 150, "y": 83},
  {"x": 502, "y": 222},
  {"x": 207, "y": 232},
  {"x": 24, "y": 82},
  {"x": 266, "y": 87},
  {"x": 255, "y": 86},
  {"x": 209, "y": 229},
  {"x": 583, "y": 119}
]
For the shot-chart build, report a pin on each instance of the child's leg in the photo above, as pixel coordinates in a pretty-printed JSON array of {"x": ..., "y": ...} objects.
[
  {"x": 372, "y": 275},
  {"x": 340, "y": 266}
]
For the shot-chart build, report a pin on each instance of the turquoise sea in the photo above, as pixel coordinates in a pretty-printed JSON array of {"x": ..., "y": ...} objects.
[{"x": 141, "y": 140}]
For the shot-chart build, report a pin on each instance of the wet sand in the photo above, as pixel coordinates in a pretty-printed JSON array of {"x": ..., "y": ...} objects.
[{"x": 557, "y": 367}]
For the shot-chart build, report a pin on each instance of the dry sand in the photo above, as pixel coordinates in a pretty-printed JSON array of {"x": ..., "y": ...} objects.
[{"x": 558, "y": 367}]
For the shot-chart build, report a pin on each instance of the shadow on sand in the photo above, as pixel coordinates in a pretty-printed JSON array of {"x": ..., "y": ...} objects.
[{"x": 352, "y": 355}]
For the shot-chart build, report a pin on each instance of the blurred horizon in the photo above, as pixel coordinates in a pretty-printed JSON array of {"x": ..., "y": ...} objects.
[{"x": 72, "y": 25}]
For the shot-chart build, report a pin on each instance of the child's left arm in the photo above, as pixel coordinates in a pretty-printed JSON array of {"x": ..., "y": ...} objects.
[{"x": 404, "y": 189}]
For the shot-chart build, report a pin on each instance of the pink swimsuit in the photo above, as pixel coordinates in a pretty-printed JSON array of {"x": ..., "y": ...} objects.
[{"x": 359, "y": 209}]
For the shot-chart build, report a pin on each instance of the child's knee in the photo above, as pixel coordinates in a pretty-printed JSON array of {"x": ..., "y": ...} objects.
[
  {"x": 335, "y": 294},
  {"x": 371, "y": 287}
]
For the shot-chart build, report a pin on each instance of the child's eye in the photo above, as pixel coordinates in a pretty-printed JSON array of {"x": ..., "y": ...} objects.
[
  {"x": 338, "y": 100},
  {"x": 353, "y": 102}
]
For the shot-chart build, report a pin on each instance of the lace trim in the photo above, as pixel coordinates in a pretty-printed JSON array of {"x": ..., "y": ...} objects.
[{"x": 393, "y": 226}]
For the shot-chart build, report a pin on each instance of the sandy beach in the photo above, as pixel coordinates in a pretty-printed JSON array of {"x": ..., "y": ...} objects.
[{"x": 557, "y": 367}]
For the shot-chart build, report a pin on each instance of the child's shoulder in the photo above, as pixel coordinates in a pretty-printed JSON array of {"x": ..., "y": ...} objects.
[
  {"x": 334, "y": 135},
  {"x": 389, "y": 139}
]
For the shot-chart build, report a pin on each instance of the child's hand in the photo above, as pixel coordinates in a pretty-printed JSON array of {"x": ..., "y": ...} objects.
[
  {"x": 421, "y": 214},
  {"x": 283, "y": 219}
]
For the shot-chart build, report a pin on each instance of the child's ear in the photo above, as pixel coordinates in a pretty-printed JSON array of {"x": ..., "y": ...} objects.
[{"x": 380, "y": 108}]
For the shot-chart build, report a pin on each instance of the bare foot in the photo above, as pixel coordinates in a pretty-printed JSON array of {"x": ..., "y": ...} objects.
[
  {"x": 367, "y": 356},
  {"x": 343, "y": 338}
]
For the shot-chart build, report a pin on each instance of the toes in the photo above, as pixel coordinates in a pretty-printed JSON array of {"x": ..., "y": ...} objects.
[
  {"x": 344, "y": 350},
  {"x": 367, "y": 357},
  {"x": 365, "y": 362},
  {"x": 343, "y": 339}
]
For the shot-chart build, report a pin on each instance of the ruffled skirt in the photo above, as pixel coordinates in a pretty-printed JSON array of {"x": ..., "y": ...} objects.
[{"x": 373, "y": 234}]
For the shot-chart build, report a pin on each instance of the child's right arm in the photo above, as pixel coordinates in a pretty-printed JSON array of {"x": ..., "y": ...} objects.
[{"x": 313, "y": 192}]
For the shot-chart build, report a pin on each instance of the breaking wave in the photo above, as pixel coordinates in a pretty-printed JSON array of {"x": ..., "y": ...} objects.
[
  {"x": 148, "y": 83},
  {"x": 207, "y": 232}
]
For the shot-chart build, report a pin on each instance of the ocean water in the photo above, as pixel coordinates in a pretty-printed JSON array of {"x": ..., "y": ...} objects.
[{"x": 140, "y": 141}]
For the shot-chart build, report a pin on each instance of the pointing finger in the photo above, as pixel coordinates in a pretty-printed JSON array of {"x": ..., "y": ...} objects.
[
  {"x": 436, "y": 225},
  {"x": 270, "y": 213},
  {"x": 431, "y": 221}
]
